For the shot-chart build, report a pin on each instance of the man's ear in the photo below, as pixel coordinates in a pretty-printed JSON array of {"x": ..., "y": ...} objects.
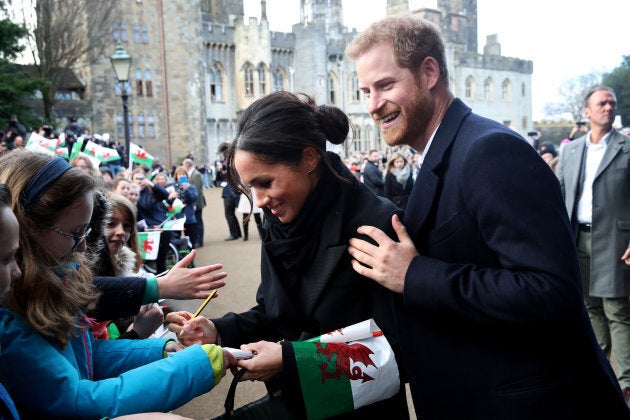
[{"x": 430, "y": 70}]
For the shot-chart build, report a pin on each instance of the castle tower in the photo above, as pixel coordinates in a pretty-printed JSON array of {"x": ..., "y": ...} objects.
[
  {"x": 224, "y": 11},
  {"x": 395, "y": 7},
  {"x": 460, "y": 22}
]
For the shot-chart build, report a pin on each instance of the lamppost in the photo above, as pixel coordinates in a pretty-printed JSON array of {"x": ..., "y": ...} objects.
[{"x": 121, "y": 62}]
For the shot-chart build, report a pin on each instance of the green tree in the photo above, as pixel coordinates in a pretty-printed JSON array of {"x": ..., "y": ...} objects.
[
  {"x": 15, "y": 86},
  {"x": 619, "y": 80}
]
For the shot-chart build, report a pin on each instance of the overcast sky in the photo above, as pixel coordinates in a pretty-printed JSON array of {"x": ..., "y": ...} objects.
[{"x": 564, "y": 38}]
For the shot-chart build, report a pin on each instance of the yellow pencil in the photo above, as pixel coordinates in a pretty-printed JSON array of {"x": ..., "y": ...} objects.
[{"x": 203, "y": 305}]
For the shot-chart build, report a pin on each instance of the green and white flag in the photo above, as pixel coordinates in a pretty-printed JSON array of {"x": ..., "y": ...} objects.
[
  {"x": 346, "y": 369},
  {"x": 148, "y": 243},
  {"x": 103, "y": 154},
  {"x": 140, "y": 156}
]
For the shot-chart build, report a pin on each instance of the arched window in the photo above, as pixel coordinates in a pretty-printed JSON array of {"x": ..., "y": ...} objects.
[
  {"x": 249, "y": 80},
  {"x": 136, "y": 33},
  {"x": 138, "y": 74},
  {"x": 216, "y": 84},
  {"x": 470, "y": 87},
  {"x": 145, "y": 35},
  {"x": 141, "y": 132},
  {"x": 278, "y": 81},
  {"x": 506, "y": 90},
  {"x": 147, "y": 83},
  {"x": 488, "y": 89},
  {"x": 262, "y": 79}
]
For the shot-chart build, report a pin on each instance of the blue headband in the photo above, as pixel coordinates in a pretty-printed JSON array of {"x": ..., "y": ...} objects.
[{"x": 42, "y": 180}]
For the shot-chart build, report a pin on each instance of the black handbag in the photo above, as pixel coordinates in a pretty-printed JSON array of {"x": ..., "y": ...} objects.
[{"x": 272, "y": 406}]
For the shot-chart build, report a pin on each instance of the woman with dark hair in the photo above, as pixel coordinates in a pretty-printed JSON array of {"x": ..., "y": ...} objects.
[{"x": 312, "y": 205}]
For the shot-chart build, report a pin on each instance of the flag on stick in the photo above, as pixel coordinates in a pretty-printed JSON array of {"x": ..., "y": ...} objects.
[{"x": 140, "y": 156}]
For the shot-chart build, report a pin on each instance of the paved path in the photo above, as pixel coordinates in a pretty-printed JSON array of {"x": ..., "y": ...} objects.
[{"x": 241, "y": 260}]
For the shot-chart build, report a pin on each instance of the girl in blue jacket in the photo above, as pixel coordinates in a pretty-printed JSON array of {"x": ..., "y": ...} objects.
[{"x": 50, "y": 362}]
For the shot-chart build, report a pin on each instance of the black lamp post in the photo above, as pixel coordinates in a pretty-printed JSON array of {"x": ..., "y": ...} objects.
[{"x": 121, "y": 62}]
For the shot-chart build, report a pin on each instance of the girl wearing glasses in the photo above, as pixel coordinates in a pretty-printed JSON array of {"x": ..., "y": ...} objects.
[{"x": 49, "y": 356}]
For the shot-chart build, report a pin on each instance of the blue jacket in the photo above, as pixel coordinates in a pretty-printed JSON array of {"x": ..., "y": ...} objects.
[{"x": 97, "y": 378}]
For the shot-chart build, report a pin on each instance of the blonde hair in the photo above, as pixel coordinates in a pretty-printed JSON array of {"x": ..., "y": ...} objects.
[
  {"x": 390, "y": 163},
  {"x": 50, "y": 305}
]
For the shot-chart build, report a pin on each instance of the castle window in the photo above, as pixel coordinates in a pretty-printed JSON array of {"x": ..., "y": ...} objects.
[
  {"x": 262, "y": 80},
  {"x": 356, "y": 92},
  {"x": 120, "y": 127},
  {"x": 249, "y": 80},
  {"x": 488, "y": 89},
  {"x": 145, "y": 35},
  {"x": 141, "y": 125},
  {"x": 116, "y": 31},
  {"x": 278, "y": 81},
  {"x": 136, "y": 33},
  {"x": 470, "y": 87},
  {"x": 130, "y": 119},
  {"x": 150, "y": 127},
  {"x": 118, "y": 86},
  {"x": 147, "y": 83},
  {"x": 138, "y": 75},
  {"x": 332, "y": 89},
  {"x": 506, "y": 90},
  {"x": 123, "y": 32},
  {"x": 216, "y": 84},
  {"x": 523, "y": 90}
]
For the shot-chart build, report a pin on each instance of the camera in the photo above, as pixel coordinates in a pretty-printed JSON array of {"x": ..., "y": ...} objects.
[
  {"x": 580, "y": 123},
  {"x": 532, "y": 133}
]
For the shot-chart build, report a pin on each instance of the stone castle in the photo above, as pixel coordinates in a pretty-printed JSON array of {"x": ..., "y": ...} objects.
[{"x": 197, "y": 64}]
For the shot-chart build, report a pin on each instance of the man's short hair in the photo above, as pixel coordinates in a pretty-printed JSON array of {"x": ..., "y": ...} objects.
[{"x": 412, "y": 38}]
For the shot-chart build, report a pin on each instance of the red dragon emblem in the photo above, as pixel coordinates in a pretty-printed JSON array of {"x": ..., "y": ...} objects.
[
  {"x": 147, "y": 244},
  {"x": 346, "y": 352}
]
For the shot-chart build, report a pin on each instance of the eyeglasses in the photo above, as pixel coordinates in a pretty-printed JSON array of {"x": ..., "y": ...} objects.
[{"x": 77, "y": 239}]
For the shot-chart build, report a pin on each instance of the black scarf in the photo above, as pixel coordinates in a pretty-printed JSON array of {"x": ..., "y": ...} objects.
[{"x": 294, "y": 244}]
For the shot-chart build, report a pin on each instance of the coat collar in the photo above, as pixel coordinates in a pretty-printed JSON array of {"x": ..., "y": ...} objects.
[{"x": 425, "y": 189}]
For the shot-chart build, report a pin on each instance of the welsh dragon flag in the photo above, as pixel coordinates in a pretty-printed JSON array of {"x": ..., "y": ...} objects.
[
  {"x": 346, "y": 369},
  {"x": 139, "y": 155},
  {"x": 148, "y": 244}
]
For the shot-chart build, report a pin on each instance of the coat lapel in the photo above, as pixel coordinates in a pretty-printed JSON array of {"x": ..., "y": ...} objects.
[
  {"x": 425, "y": 189},
  {"x": 327, "y": 258},
  {"x": 617, "y": 143}
]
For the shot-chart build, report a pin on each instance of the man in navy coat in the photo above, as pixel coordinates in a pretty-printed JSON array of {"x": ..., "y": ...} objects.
[{"x": 491, "y": 317}]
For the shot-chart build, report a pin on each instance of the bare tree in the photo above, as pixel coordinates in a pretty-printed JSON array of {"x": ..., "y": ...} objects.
[
  {"x": 63, "y": 35},
  {"x": 573, "y": 92}
]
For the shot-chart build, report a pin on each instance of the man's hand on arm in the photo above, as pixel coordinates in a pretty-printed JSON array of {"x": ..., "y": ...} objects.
[{"x": 387, "y": 262}]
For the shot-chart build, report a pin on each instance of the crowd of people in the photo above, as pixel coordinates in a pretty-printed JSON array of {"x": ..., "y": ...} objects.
[{"x": 496, "y": 281}]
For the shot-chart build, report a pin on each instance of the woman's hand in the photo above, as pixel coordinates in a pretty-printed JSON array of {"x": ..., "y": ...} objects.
[
  {"x": 191, "y": 331},
  {"x": 182, "y": 282},
  {"x": 148, "y": 319},
  {"x": 266, "y": 363}
]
